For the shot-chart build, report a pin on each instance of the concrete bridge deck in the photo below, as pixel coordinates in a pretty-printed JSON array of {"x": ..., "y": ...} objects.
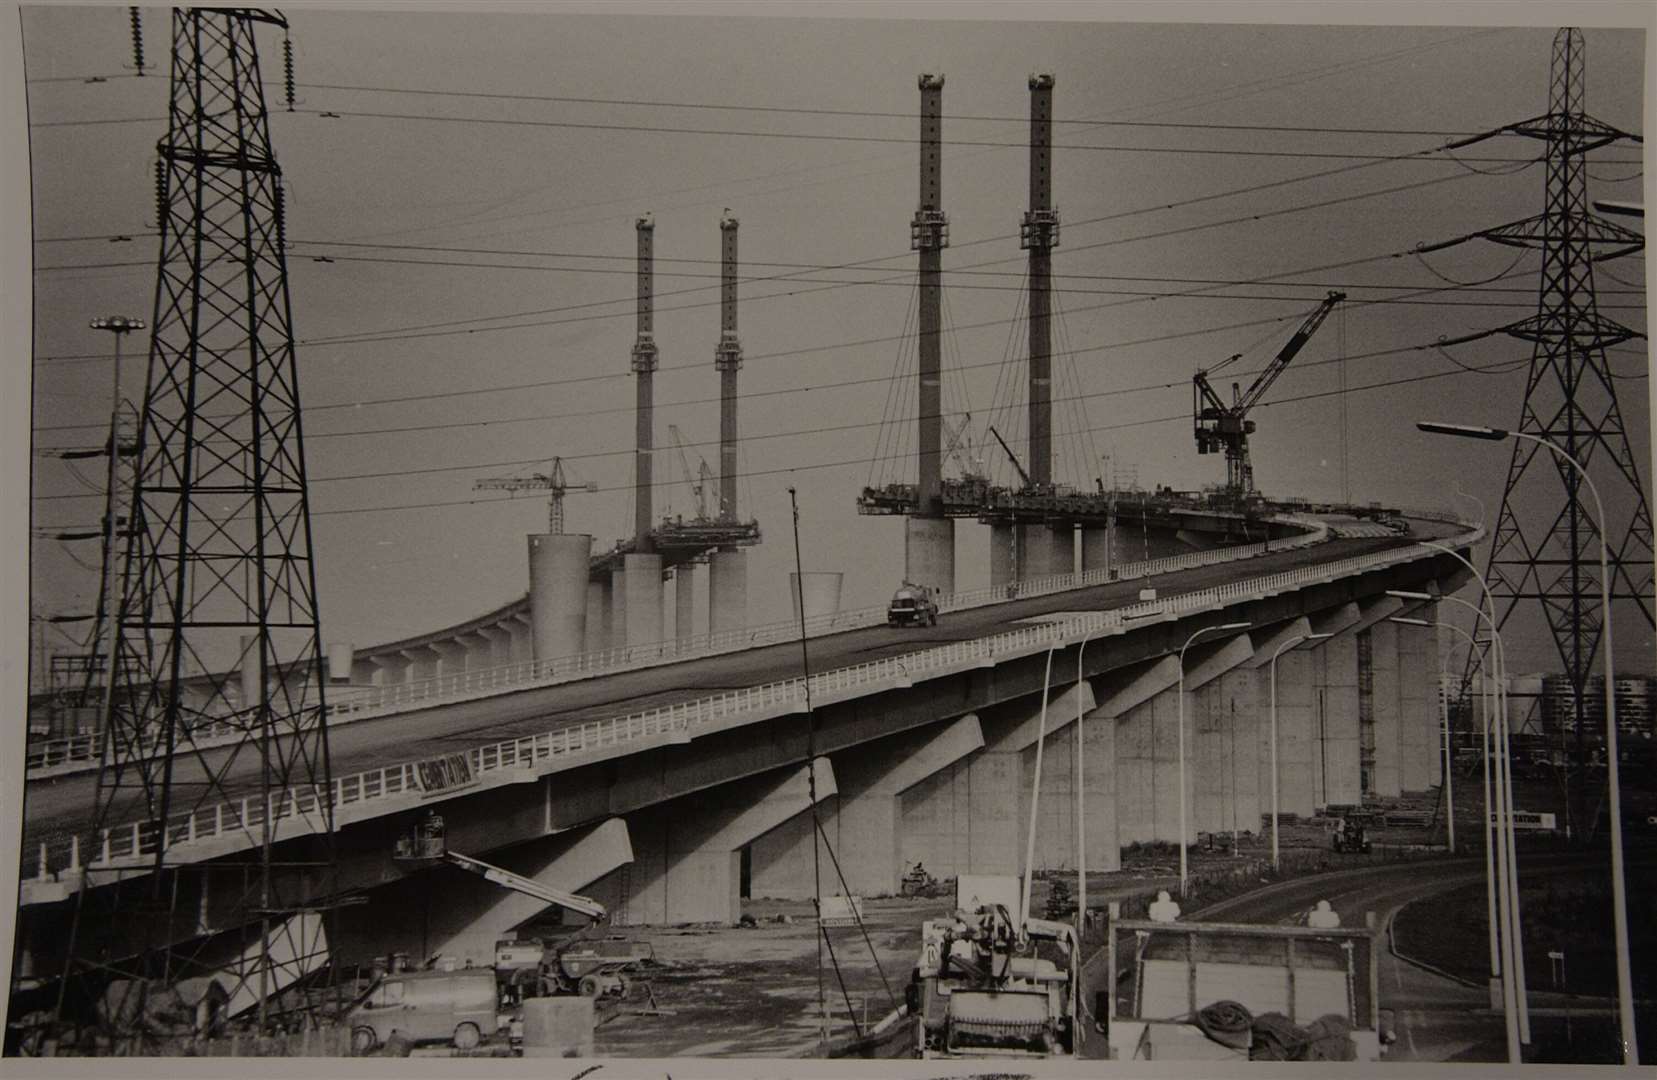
[
  {"x": 57, "y": 807},
  {"x": 659, "y": 839}
]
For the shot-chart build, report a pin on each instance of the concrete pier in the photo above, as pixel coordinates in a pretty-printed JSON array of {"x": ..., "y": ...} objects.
[
  {"x": 929, "y": 553},
  {"x": 644, "y": 599},
  {"x": 1003, "y": 555},
  {"x": 1096, "y": 549},
  {"x": 618, "y": 606},
  {"x": 684, "y": 602},
  {"x": 596, "y": 633},
  {"x": 558, "y": 593},
  {"x": 727, "y": 590}
]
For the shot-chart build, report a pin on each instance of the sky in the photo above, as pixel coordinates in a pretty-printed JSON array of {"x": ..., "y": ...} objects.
[{"x": 462, "y": 242}]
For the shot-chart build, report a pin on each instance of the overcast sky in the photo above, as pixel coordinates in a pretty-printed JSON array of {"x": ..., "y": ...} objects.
[{"x": 533, "y": 141}]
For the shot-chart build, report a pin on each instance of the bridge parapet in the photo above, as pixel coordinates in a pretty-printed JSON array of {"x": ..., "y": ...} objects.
[
  {"x": 214, "y": 831},
  {"x": 78, "y": 753}
]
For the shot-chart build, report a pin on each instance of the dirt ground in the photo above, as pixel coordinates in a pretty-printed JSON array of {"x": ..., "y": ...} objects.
[{"x": 753, "y": 991}]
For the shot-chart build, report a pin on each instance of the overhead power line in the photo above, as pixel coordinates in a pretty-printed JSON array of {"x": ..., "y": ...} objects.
[{"x": 865, "y": 461}]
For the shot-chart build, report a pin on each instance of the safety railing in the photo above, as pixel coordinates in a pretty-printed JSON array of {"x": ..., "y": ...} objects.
[
  {"x": 57, "y": 757},
  {"x": 680, "y": 721}
]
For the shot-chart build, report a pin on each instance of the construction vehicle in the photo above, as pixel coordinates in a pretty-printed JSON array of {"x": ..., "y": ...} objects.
[
  {"x": 1194, "y": 991},
  {"x": 427, "y": 844},
  {"x": 913, "y": 605},
  {"x": 580, "y": 964},
  {"x": 1351, "y": 835},
  {"x": 1226, "y": 427},
  {"x": 991, "y": 982}
]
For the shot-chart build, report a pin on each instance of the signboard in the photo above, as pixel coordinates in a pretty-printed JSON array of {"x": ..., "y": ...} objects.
[
  {"x": 1525, "y": 819},
  {"x": 441, "y": 775}
]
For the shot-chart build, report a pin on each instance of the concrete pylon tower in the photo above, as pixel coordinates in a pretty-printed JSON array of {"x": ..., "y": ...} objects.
[
  {"x": 636, "y": 590},
  {"x": 929, "y": 537},
  {"x": 728, "y": 568},
  {"x": 644, "y": 375},
  {"x": 1047, "y": 549}
]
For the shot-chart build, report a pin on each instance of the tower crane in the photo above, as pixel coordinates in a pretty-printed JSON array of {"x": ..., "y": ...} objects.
[
  {"x": 551, "y": 482},
  {"x": 1226, "y": 427}
]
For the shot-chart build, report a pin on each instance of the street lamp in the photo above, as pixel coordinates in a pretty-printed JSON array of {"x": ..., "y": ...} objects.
[
  {"x": 1081, "y": 820},
  {"x": 1619, "y": 899},
  {"x": 1512, "y": 973},
  {"x": 1184, "y": 875},
  {"x": 1281, "y": 649},
  {"x": 1035, "y": 791}
]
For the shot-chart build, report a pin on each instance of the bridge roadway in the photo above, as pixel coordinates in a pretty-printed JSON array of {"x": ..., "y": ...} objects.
[{"x": 54, "y": 808}]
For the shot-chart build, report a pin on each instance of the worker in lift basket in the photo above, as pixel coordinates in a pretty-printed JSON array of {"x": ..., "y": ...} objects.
[
  {"x": 1163, "y": 909},
  {"x": 1323, "y": 917}
]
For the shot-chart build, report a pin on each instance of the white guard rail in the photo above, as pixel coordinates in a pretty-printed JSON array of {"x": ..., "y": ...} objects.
[
  {"x": 216, "y": 827},
  {"x": 59, "y": 757}
]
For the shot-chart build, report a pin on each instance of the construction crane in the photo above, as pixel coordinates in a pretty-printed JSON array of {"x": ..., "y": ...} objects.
[
  {"x": 700, "y": 481},
  {"x": 552, "y": 483},
  {"x": 958, "y": 448},
  {"x": 1226, "y": 427},
  {"x": 1012, "y": 457}
]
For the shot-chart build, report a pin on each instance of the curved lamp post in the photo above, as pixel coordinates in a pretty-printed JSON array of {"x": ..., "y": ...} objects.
[
  {"x": 1511, "y": 973},
  {"x": 1619, "y": 898},
  {"x": 1184, "y": 873}
]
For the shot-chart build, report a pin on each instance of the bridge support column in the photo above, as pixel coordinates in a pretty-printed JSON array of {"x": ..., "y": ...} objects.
[
  {"x": 644, "y": 599},
  {"x": 618, "y": 607},
  {"x": 684, "y": 602},
  {"x": 1386, "y": 699},
  {"x": 929, "y": 553},
  {"x": 523, "y": 645},
  {"x": 595, "y": 635},
  {"x": 422, "y": 662},
  {"x": 1337, "y": 720},
  {"x": 1003, "y": 556},
  {"x": 1214, "y": 700},
  {"x": 451, "y": 657},
  {"x": 479, "y": 650},
  {"x": 558, "y": 593},
  {"x": 1095, "y": 549},
  {"x": 499, "y": 640},
  {"x": 393, "y": 668},
  {"x": 689, "y": 850},
  {"x": 1002, "y": 777},
  {"x": 1046, "y": 550},
  {"x": 1340, "y": 705},
  {"x": 1227, "y": 774},
  {"x": 446, "y": 911},
  {"x": 727, "y": 590},
  {"x": 880, "y": 824},
  {"x": 1420, "y": 739}
]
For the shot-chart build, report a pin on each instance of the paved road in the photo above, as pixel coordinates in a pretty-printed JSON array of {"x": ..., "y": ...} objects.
[
  {"x": 1437, "y": 1018},
  {"x": 53, "y": 808}
]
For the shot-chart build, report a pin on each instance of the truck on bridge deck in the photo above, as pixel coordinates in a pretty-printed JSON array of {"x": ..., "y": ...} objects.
[{"x": 1194, "y": 991}]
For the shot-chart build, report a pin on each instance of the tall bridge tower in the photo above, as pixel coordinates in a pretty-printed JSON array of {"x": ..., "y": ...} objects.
[
  {"x": 929, "y": 536},
  {"x": 727, "y": 566}
]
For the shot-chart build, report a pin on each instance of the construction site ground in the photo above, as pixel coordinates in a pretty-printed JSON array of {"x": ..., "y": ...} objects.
[{"x": 752, "y": 991}]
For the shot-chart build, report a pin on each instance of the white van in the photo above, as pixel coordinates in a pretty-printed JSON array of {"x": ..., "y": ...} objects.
[{"x": 428, "y": 1006}]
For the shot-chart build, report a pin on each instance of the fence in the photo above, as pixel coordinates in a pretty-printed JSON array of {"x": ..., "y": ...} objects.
[{"x": 570, "y": 746}]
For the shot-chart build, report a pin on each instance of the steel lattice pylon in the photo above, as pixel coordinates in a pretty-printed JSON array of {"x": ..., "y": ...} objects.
[
  {"x": 1570, "y": 399},
  {"x": 218, "y": 620}
]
